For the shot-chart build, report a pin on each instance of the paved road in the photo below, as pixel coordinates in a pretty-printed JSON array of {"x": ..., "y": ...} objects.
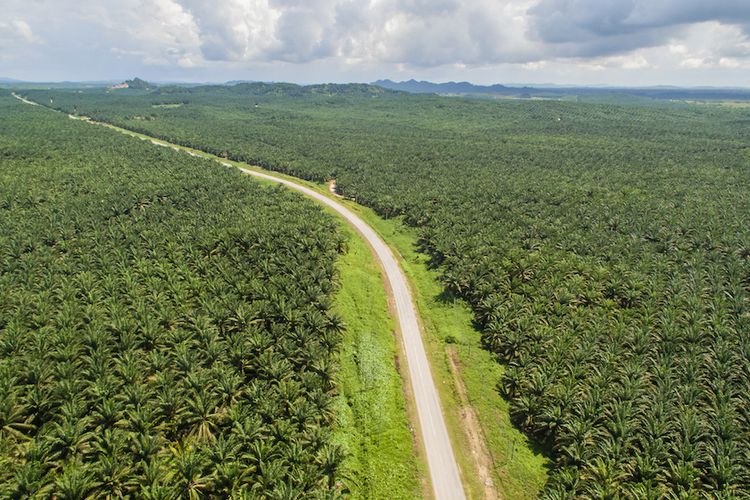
[{"x": 446, "y": 483}]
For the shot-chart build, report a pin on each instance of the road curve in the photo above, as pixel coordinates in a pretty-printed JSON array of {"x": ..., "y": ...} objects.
[{"x": 446, "y": 482}]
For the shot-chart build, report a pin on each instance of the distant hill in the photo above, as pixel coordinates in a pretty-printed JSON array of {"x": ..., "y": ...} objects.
[
  {"x": 287, "y": 89},
  {"x": 135, "y": 83},
  {"x": 339, "y": 89},
  {"x": 236, "y": 82},
  {"x": 557, "y": 92},
  {"x": 424, "y": 87},
  {"x": 9, "y": 80}
]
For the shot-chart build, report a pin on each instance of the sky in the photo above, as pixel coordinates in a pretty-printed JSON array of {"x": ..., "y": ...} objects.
[{"x": 577, "y": 42}]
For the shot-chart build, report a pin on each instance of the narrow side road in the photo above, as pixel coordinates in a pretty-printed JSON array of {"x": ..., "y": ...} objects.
[{"x": 444, "y": 475}]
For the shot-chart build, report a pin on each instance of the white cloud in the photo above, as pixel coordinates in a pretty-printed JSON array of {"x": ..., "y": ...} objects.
[
  {"x": 23, "y": 29},
  {"x": 377, "y": 36},
  {"x": 15, "y": 33},
  {"x": 712, "y": 45},
  {"x": 231, "y": 30}
]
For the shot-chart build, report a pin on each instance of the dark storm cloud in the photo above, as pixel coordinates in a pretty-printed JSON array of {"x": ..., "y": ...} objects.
[{"x": 589, "y": 28}]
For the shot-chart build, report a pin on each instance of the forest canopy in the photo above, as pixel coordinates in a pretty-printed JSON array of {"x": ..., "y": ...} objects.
[
  {"x": 165, "y": 323},
  {"x": 604, "y": 249}
]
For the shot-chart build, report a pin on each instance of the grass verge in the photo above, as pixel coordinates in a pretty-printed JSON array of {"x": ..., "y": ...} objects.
[
  {"x": 371, "y": 409},
  {"x": 518, "y": 471}
]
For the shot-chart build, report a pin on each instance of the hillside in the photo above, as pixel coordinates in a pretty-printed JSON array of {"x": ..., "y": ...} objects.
[
  {"x": 424, "y": 87},
  {"x": 263, "y": 89}
]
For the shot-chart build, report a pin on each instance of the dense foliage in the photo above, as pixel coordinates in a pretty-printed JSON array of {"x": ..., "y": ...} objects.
[
  {"x": 165, "y": 329},
  {"x": 605, "y": 250}
]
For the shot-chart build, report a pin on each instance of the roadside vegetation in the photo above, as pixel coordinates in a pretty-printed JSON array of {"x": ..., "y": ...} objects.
[
  {"x": 514, "y": 468},
  {"x": 373, "y": 428},
  {"x": 604, "y": 250}
]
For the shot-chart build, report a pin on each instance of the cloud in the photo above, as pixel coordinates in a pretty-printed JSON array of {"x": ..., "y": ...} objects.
[
  {"x": 427, "y": 33},
  {"x": 92, "y": 36},
  {"x": 23, "y": 30},
  {"x": 158, "y": 31},
  {"x": 16, "y": 32},
  {"x": 476, "y": 33},
  {"x": 231, "y": 30},
  {"x": 417, "y": 32},
  {"x": 713, "y": 45},
  {"x": 306, "y": 31},
  {"x": 592, "y": 28}
]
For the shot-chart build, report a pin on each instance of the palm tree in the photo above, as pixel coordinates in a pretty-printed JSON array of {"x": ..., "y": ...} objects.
[
  {"x": 75, "y": 483},
  {"x": 143, "y": 447},
  {"x": 228, "y": 383},
  {"x": 190, "y": 466},
  {"x": 156, "y": 481},
  {"x": 70, "y": 437},
  {"x": 115, "y": 476},
  {"x": 231, "y": 474},
  {"x": 15, "y": 421},
  {"x": 683, "y": 478},
  {"x": 29, "y": 481},
  {"x": 602, "y": 479}
]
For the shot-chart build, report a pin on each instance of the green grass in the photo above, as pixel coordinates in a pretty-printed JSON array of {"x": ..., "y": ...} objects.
[
  {"x": 518, "y": 471},
  {"x": 373, "y": 425}
]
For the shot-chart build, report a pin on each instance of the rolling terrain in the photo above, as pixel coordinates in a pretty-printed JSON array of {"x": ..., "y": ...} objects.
[{"x": 604, "y": 250}]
